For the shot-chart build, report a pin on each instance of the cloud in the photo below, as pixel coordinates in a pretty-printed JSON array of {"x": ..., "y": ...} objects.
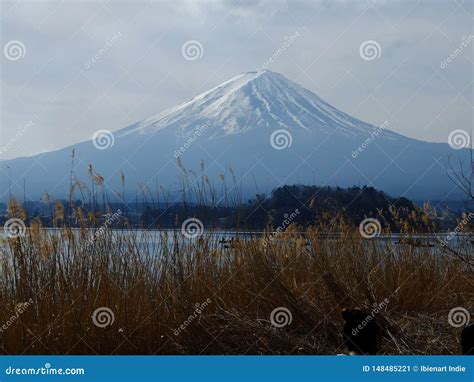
[{"x": 143, "y": 72}]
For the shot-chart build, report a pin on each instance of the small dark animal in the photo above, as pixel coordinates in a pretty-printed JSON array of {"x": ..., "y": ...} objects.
[
  {"x": 467, "y": 340},
  {"x": 361, "y": 331}
]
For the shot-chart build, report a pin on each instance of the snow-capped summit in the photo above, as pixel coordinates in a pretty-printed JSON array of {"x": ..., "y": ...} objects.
[
  {"x": 252, "y": 100},
  {"x": 270, "y": 130}
]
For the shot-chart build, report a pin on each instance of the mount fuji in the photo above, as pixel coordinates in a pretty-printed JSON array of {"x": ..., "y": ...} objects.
[{"x": 269, "y": 130}]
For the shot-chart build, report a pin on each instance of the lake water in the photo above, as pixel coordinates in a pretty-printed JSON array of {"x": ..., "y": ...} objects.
[{"x": 152, "y": 239}]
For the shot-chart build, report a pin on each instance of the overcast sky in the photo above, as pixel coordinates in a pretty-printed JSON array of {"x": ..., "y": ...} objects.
[{"x": 73, "y": 67}]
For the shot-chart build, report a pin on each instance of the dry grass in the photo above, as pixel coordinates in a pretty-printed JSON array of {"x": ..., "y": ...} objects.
[{"x": 153, "y": 289}]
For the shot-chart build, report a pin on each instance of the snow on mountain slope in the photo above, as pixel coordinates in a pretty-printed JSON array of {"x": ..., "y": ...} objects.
[
  {"x": 270, "y": 130},
  {"x": 252, "y": 100}
]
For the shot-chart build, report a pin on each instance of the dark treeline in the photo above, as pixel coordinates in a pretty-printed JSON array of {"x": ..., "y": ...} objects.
[{"x": 302, "y": 205}]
